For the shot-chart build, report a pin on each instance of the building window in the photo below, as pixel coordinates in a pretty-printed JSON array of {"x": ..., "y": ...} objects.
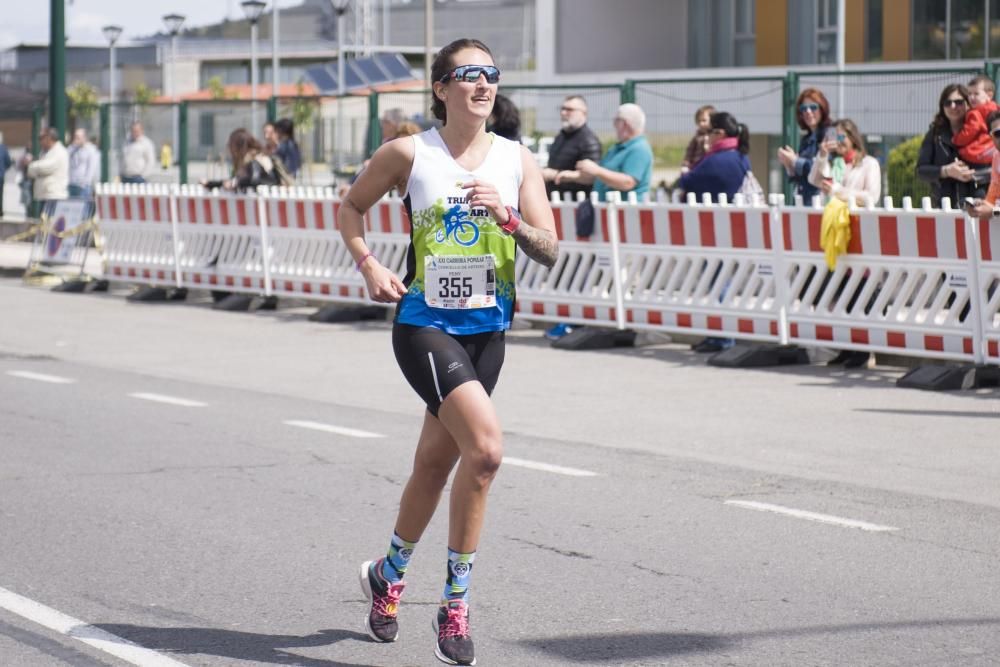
[
  {"x": 812, "y": 32},
  {"x": 953, "y": 29},
  {"x": 206, "y": 129},
  {"x": 826, "y": 31},
  {"x": 745, "y": 36},
  {"x": 722, "y": 33},
  {"x": 873, "y": 31}
]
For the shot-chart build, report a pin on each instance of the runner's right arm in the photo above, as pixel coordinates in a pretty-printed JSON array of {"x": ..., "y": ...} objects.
[{"x": 388, "y": 168}]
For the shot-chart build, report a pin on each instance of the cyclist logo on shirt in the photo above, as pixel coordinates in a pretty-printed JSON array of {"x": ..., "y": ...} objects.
[{"x": 458, "y": 226}]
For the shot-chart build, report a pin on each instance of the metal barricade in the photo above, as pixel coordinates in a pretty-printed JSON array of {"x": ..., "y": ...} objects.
[
  {"x": 902, "y": 287},
  {"x": 219, "y": 241},
  {"x": 138, "y": 233}
]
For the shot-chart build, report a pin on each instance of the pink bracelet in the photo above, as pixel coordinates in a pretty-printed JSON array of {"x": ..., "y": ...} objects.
[{"x": 365, "y": 259}]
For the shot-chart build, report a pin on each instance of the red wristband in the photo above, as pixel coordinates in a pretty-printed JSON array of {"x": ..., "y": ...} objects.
[
  {"x": 365, "y": 259},
  {"x": 513, "y": 221}
]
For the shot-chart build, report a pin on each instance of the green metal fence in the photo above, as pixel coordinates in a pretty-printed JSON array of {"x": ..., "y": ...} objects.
[{"x": 889, "y": 106}]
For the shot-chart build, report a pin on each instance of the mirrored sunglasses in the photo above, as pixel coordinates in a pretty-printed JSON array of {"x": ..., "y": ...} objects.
[
  {"x": 808, "y": 107},
  {"x": 471, "y": 74},
  {"x": 954, "y": 103}
]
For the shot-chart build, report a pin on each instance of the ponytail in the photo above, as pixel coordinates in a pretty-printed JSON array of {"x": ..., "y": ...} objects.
[{"x": 744, "y": 143}]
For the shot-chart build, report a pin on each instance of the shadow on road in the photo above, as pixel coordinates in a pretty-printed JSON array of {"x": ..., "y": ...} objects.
[
  {"x": 628, "y": 647},
  {"x": 249, "y": 646}
]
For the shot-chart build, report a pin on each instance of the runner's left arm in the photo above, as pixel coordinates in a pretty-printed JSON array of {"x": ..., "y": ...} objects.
[{"x": 536, "y": 235}]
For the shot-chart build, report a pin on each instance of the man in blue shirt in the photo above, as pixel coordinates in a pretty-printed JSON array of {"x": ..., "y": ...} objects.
[{"x": 628, "y": 165}]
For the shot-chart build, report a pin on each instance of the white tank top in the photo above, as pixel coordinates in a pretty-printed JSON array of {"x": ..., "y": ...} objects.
[{"x": 460, "y": 264}]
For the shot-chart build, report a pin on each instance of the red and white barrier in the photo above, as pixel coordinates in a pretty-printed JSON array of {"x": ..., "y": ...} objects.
[
  {"x": 902, "y": 287},
  {"x": 137, "y": 231},
  {"x": 922, "y": 283}
]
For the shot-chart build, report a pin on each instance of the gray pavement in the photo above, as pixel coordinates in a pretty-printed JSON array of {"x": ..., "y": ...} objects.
[{"x": 218, "y": 534}]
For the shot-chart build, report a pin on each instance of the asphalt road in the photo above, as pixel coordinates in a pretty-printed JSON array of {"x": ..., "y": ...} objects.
[{"x": 200, "y": 484}]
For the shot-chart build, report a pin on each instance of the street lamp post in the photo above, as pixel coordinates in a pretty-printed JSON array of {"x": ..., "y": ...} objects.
[
  {"x": 111, "y": 33},
  {"x": 275, "y": 64},
  {"x": 253, "y": 9},
  {"x": 340, "y": 8},
  {"x": 173, "y": 22}
]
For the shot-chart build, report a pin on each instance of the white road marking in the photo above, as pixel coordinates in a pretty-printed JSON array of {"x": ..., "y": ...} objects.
[
  {"x": 547, "y": 467},
  {"x": 41, "y": 377},
  {"x": 88, "y": 634},
  {"x": 811, "y": 516},
  {"x": 330, "y": 428},
  {"x": 172, "y": 400}
]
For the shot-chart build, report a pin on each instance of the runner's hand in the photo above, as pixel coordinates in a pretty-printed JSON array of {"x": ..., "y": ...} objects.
[
  {"x": 484, "y": 195},
  {"x": 384, "y": 286}
]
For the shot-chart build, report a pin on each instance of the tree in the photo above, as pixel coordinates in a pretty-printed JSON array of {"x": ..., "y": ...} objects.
[
  {"x": 83, "y": 102},
  {"x": 303, "y": 109},
  {"x": 902, "y": 165},
  {"x": 217, "y": 90},
  {"x": 144, "y": 95}
]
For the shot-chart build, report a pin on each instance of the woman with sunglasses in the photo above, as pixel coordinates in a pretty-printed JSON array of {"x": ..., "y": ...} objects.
[
  {"x": 938, "y": 163},
  {"x": 844, "y": 169},
  {"x": 471, "y": 197},
  {"x": 813, "y": 116}
]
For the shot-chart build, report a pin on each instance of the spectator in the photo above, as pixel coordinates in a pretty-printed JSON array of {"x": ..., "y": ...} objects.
[
  {"x": 721, "y": 171},
  {"x": 987, "y": 207},
  {"x": 505, "y": 121},
  {"x": 138, "y": 156},
  {"x": 974, "y": 144},
  {"x": 813, "y": 116},
  {"x": 5, "y": 164},
  {"x": 84, "y": 166},
  {"x": 938, "y": 163},
  {"x": 166, "y": 156},
  {"x": 407, "y": 128},
  {"x": 50, "y": 171},
  {"x": 270, "y": 142},
  {"x": 252, "y": 167},
  {"x": 575, "y": 142},
  {"x": 288, "y": 149},
  {"x": 389, "y": 122},
  {"x": 699, "y": 143},
  {"x": 628, "y": 165},
  {"x": 844, "y": 169},
  {"x": 725, "y": 165}
]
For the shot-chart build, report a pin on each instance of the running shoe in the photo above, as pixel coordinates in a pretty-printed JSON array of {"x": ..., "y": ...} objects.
[
  {"x": 454, "y": 643},
  {"x": 558, "y": 331},
  {"x": 383, "y": 598}
]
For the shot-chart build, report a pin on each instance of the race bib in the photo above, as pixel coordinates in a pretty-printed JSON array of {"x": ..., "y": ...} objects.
[{"x": 460, "y": 282}]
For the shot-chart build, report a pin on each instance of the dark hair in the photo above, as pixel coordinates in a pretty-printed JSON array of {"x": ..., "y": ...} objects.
[
  {"x": 994, "y": 116},
  {"x": 285, "y": 127},
  {"x": 505, "y": 120},
  {"x": 854, "y": 134},
  {"x": 50, "y": 132},
  {"x": 442, "y": 65},
  {"x": 817, "y": 96},
  {"x": 986, "y": 82},
  {"x": 725, "y": 121},
  {"x": 941, "y": 121},
  {"x": 241, "y": 143}
]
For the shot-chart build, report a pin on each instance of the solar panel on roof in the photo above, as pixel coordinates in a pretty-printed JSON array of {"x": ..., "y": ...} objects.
[
  {"x": 352, "y": 79},
  {"x": 371, "y": 71},
  {"x": 395, "y": 65},
  {"x": 322, "y": 78}
]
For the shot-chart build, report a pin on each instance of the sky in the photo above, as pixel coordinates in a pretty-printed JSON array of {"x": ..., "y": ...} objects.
[{"x": 85, "y": 18}]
